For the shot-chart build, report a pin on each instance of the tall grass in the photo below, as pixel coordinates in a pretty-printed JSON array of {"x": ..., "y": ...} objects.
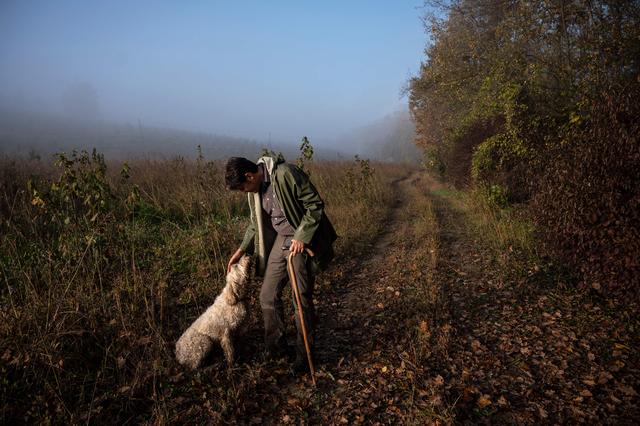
[
  {"x": 102, "y": 266},
  {"x": 505, "y": 229}
]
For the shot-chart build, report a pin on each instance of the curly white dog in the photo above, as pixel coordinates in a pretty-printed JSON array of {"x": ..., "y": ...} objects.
[{"x": 224, "y": 319}]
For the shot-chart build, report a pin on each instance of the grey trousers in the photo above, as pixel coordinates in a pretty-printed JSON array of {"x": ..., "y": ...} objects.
[{"x": 275, "y": 278}]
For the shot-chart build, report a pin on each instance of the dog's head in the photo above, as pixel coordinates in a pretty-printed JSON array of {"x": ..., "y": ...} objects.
[{"x": 238, "y": 277}]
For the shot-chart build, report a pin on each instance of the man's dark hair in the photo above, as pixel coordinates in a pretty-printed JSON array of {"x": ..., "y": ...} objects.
[{"x": 236, "y": 168}]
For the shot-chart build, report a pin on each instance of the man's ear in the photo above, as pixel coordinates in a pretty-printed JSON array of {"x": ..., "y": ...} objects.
[{"x": 248, "y": 176}]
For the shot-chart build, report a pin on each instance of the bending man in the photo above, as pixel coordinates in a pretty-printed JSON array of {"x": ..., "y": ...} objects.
[{"x": 287, "y": 215}]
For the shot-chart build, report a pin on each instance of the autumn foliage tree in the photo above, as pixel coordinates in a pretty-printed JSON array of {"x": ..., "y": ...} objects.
[{"x": 538, "y": 99}]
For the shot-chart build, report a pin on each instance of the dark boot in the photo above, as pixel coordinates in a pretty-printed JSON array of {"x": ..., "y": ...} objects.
[
  {"x": 301, "y": 363},
  {"x": 276, "y": 349}
]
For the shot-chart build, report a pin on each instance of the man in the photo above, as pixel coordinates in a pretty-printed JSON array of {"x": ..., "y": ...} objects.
[{"x": 287, "y": 216}]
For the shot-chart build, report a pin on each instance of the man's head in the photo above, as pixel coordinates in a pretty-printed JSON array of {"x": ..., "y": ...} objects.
[{"x": 242, "y": 175}]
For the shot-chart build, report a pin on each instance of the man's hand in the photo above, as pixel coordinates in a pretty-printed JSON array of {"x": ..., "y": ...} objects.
[
  {"x": 234, "y": 259},
  {"x": 297, "y": 247}
]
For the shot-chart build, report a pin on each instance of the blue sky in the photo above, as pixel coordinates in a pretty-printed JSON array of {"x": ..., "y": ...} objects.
[{"x": 244, "y": 68}]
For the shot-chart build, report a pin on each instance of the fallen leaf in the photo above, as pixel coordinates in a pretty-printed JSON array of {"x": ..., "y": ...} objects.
[
  {"x": 627, "y": 390},
  {"x": 483, "y": 401},
  {"x": 468, "y": 393},
  {"x": 616, "y": 366},
  {"x": 604, "y": 377},
  {"x": 436, "y": 400},
  {"x": 542, "y": 413},
  {"x": 144, "y": 340}
]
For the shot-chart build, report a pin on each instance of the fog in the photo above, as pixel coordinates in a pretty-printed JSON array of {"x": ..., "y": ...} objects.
[{"x": 156, "y": 77}]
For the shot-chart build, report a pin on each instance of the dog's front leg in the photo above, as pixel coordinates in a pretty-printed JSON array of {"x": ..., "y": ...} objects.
[{"x": 227, "y": 347}]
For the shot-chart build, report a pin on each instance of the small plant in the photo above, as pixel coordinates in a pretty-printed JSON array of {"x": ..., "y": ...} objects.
[
  {"x": 306, "y": 155},
  {"x": 365, "y": 168},
  {"x": 79, "y": 197},
  {"x": 497, "y": 196}
]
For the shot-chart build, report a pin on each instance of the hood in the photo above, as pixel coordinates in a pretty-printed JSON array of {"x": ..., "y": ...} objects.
[{"x": 270, "y": 163}]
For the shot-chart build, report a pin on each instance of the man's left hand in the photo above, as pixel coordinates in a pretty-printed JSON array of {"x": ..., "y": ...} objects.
[{"x": 297, "y": 247}]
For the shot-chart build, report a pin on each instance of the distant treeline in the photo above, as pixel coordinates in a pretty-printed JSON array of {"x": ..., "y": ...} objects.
[
  {"x": 537, "y": 104},
  {"x": 31, "y": 134},
  {"x": 34, "y": 134}
]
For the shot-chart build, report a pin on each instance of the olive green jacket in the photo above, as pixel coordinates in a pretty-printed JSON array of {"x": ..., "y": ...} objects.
[{"x": 303, "y": 208}]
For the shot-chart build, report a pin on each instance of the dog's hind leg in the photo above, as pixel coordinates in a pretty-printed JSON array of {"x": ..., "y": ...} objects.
[{"x": 227, "y": 347}]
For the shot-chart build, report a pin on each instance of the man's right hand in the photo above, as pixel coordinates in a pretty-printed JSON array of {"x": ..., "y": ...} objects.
[{"x": 234, "y": 259}]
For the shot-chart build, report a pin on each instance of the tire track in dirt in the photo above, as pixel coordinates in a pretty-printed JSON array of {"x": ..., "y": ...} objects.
[
  {"x": 367, "y": 359},
  {"x": 341, "y": 315}
]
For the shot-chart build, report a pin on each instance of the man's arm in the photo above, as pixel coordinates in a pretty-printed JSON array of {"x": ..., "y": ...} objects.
[
  {"x": 248, "y": 240},
  {"x": 246, "y": 246},
  {"x": 313, "y": 205}
]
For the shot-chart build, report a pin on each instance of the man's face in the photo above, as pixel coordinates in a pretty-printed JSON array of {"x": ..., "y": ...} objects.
[{"x": 252, "y": 184}]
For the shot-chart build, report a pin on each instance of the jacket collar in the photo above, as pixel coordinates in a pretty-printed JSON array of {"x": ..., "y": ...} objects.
[{"x": 270, "y": 163}]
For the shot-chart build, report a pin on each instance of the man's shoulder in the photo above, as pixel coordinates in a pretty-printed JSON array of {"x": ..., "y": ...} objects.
[{"x": 287, "y": 169}]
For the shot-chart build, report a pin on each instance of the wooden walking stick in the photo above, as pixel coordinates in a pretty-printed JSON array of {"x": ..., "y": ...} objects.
[{"x": 296, "y": 292}]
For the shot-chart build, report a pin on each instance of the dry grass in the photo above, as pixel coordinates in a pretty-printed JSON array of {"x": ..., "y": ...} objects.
[
  {"x": 103, "y": 267},
  {"x": 506, "y": 230}
]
